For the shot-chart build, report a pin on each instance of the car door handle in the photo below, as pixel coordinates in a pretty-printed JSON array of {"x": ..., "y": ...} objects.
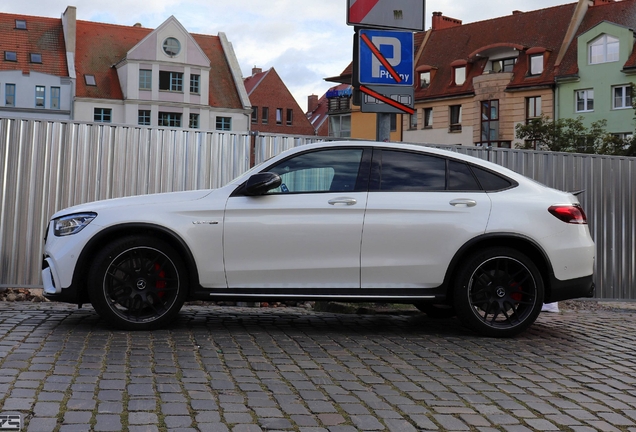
[
  {"x": 463, "y": 202},
  {"x": 343, "y": 200}
]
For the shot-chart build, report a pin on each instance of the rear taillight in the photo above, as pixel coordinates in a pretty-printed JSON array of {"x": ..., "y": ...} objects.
[{"x": 569, "y": 213}]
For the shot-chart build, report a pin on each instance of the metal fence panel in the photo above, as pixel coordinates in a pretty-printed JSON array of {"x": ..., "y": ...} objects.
[{"x": 47, "y": 166}]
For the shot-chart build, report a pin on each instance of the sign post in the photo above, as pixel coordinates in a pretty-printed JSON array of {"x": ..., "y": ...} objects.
[{"x": 383, "y": 53}]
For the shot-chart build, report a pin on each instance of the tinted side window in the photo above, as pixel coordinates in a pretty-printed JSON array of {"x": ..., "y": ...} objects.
[
  {"x": 411, "y": 172},
  {"x": 490, "y": 181},
  {"x": 460, "y": 178},
  {"x": 319, "y": 171}
]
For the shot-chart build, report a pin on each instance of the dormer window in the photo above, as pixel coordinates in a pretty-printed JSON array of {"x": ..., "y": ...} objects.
[
  {"x": 20, "y": 24},
  {"x": 603, "y": 49},
  {"x": 425, "y": 79},
  {"x": 536, "y": 64},
  {"x": 459, "y": 74},
  {"x": 171, "y": 47}
]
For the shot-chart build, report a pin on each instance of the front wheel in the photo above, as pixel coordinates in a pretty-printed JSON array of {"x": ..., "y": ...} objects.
[
  {"x": 499, "y": 292},
  {"x": 137, "y": 283}
]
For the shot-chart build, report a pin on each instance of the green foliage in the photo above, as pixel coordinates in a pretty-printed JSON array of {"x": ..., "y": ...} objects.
[{"x": 571, "y": 135}]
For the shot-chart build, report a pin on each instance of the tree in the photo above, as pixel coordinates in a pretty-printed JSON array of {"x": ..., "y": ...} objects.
[{"x": 571, "y": 135}]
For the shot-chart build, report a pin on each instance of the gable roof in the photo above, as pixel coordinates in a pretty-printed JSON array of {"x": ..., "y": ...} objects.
[
  {"x": 542, "y": 29},
  {"x": 101, "y": 46},
  {"x": 622, "y": 13},
  {"x": 43, "y": 36}
]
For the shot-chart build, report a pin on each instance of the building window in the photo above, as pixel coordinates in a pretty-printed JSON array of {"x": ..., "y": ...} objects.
[
  {"x": 340, "y": 103},
  {"x": 171, "y": 47},
  {"x": 584, "y": 100},
  {"x": 167, "y": 119},
  {"x": 536, "y": 64},
  {"x": 533, "y": 108},
  {"x": 340, "y": 126},
  {"x": 171, "y": 81},
  {"x": 195, "y": 86},
  {"x": 143, "y": 117},
  {"x": 455, "y": 113},
  {"x": 413, "y": 120},
  {"x": 90, "y": 80},
  {"x": 194, "y": 121},
  {"x": 224, "y": 123},
  {"x": 35, "y": 57},
  {"x": 55, "y": 98},
  {"x": 20, "y": 24},
  {"x": 489, "y": 121},
  {"x": 428, "y": 118},
  {"x": 425, "y": 79},
  {"x": 254, "y": 114},
  {"x": 9, "y": 95},
  {"x": 11, "y": 56},
  {"x": 290, "y": 116},
  {"x": 265, "y": 116},
  {"x": 460, "y": 75},
  {"x": 503, "y": 65},
  {"x": 102, "y": 115},
  {"x": 145, "y": 79},
  {"x": 393, "y": 122},
  {"x": 604, "y": 49},
  {"x": 622, "y": 97},
  {"x": 40, "y": 96},
  {"x": 279, "y": 116}
]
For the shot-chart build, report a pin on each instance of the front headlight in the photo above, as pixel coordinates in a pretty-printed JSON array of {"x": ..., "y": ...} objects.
[{"x": 72, "y": 224}]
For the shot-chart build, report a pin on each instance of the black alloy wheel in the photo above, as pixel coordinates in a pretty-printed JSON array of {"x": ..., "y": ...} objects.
[
  {"x": 499, "y": 293},
  {"x": 137, "y": 283}
]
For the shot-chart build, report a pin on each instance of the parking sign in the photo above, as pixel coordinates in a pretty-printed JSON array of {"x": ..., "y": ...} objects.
[{"x": 385, "y": 57}]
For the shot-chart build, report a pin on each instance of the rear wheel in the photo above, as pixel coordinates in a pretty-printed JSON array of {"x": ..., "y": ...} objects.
[
  {"x": 499, "y": 292},
  {"x": 137, "y": 283}
]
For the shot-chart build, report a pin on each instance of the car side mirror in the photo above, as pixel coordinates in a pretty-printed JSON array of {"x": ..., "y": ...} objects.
[{"x": 260, "y": 183}]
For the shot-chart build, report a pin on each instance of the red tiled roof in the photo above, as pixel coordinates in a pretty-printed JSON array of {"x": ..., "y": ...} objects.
[
  {"x": 543, "y": 28},
  {"x": 101, "y": 46},
  {"x": 223, "y": 92},
  {"x": 43, "y": 36},
  {"x": 622, "y": 13},
  {"x": 253, "y": 81}
]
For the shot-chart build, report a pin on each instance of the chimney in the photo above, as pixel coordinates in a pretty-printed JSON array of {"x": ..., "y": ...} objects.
[
  {"x": 441, "y": 22},
  {"x": 312, "y": 103},
  {"x": 602, "y": 2},
  {"x": 256, "y": 70}
]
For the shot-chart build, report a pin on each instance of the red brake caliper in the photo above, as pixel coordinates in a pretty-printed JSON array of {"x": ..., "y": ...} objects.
[{"x": 160, "y": 284}]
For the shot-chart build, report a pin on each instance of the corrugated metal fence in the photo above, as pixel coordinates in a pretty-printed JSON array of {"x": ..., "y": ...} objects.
[{"x": 47, "y": 166}]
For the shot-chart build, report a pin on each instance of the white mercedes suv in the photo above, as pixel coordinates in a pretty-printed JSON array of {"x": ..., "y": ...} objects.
[{"x": 350, "y": 221}]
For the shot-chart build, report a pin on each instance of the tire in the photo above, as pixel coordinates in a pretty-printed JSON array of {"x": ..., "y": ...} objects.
[
  {"x": 499, "y": 292},
  {"x": 436, "y": 311},
  {"x": 137, "y": 283}
]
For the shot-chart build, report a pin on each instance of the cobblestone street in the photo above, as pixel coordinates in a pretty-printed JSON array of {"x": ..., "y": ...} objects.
[{"x": 248, "y": 369}]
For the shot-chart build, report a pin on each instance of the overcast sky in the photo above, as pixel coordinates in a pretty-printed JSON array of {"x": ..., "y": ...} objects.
[{"x": 304, "y": 40}]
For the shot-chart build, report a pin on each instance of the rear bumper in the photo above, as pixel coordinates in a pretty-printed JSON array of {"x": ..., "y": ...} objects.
[{"x": 570, "y": 289}]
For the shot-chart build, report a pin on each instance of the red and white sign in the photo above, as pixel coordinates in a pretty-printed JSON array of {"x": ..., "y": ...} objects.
[{"x": 396, "y": 14}]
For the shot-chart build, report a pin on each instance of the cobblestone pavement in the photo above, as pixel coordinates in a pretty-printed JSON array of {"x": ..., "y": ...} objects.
[{"x": 244, "y": 370}]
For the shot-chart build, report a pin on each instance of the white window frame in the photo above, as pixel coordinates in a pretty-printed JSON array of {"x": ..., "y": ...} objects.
[
  {"x": 587, "y": 98},
  {"x": 625, "y": 97},
  {"x": 459, "y": 75},
  {"x": 536, "y": 64},
  {"x": 606, "y": 55},
  {"x": 427, "y": 114}
]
